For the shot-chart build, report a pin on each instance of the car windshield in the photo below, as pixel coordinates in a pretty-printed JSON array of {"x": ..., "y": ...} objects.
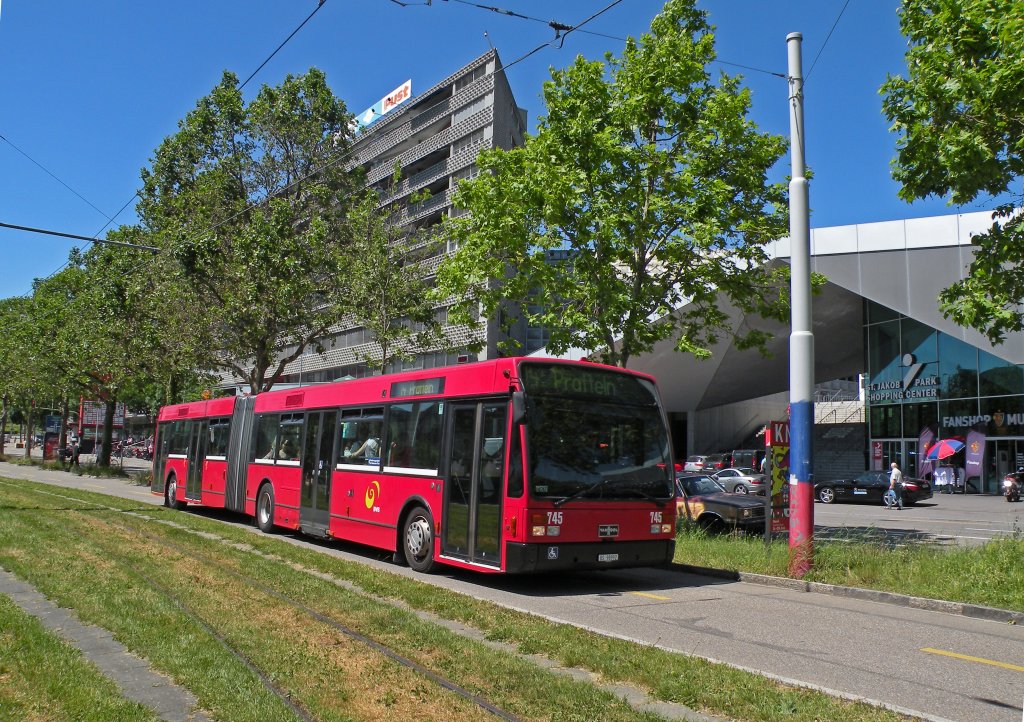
[
  {"x": 595, "y": 434},
  {"x": 870, "y": 476},
  {"x": 746, "y": 471},
  {"x": 698, "y": 485}
]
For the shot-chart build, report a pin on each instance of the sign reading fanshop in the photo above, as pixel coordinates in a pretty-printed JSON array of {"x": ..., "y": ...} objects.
[{"x": 1000, "y": 422}]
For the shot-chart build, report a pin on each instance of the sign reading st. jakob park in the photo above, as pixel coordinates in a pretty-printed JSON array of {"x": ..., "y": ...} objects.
[
  {"x": 912, "y": 386},
  {"x": 923, "y": 388}
]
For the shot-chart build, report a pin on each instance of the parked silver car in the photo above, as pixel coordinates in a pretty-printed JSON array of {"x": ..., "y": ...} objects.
[{"x": 741, "y": 480}]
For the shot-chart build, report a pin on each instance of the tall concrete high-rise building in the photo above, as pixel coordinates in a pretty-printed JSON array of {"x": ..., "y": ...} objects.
[{"x": 435, "y": 138}]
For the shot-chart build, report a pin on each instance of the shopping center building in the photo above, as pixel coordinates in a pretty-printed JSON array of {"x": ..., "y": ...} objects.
[
  {"x": 878, "y": 328},
  {"x": 877, "y": 318}
]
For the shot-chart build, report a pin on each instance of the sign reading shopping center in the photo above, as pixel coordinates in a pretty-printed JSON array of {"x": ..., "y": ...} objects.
[{"x": 926, "y": 387}]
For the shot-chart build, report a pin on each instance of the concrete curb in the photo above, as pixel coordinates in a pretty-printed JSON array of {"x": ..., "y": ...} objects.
[{"x": 962, "y": 609}]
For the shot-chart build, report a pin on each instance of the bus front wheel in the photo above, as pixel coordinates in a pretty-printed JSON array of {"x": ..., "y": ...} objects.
[
  {"x": 171, "y": 494},
  {"x": 418, "y": 540},
  {"x": 265, "y": 509}
]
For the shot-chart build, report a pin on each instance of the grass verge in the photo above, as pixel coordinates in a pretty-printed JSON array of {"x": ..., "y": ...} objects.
[
  {"x": 43, "y": 678},
  {"x": 990, "y": 575},
  {"x": 58, "y": 548}
]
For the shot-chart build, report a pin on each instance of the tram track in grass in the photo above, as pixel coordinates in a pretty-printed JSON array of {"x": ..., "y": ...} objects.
[
  {"x": 381, "y": 605},
  {"x": 325, "y": 619},
  {"x": 133, "y": 523}
]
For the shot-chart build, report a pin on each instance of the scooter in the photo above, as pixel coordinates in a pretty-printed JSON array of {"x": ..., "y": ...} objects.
[{"x": 1011, "y": 485}]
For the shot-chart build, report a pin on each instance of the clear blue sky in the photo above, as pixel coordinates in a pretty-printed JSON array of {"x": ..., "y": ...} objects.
[{"x": 89, "y": 89}]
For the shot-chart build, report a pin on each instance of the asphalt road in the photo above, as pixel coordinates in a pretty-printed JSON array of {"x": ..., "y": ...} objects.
[
  {"x": 930, "y": 664},
  {"x": 967, "y": 519}
]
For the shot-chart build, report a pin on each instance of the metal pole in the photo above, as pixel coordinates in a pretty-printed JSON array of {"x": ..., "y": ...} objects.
[{"x": 801, "y": 339}]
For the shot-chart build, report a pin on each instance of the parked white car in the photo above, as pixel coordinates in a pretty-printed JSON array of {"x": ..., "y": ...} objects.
[{"x": 694, "y": 463}]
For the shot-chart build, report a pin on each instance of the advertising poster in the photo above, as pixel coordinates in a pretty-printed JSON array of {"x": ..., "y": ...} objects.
[
  {"x": 975, "y": 457},
  {"x": 777, "y": 441},
  {"x": 876, "y": 455},
  {"x": 51, "y": 437}
]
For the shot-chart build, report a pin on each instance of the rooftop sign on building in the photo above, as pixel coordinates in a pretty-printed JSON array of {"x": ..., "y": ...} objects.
[{"x": 389, "y": 102}]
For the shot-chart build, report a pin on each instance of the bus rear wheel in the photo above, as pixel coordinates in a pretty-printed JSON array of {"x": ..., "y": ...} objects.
[
  {"x": 418, "y": 540},
  {"x": 265, "y": 509},
  {"x": 171, "y": 494}
]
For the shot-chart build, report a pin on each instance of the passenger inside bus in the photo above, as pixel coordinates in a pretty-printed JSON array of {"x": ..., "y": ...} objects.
[
  {"x": 369, "y": 449},
  {"x": 289, "y": 450}
]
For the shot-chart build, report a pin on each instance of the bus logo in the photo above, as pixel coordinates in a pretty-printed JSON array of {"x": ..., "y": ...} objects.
[
  {"x": 372, "y": 492},
  {"x": 607, "y": 530}
]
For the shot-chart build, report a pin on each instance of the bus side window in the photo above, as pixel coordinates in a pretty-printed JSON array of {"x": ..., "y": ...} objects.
[
  {"x": 515, "y": 465},
  {"x": 219, "y": 431},
  {"x": 266, "y": 436},
  {"x": 179, "y": 437},
  {"x": 290, "y": 432},
  {"x": 414, "y": 435},
  {"x": 361, "y": 436}
]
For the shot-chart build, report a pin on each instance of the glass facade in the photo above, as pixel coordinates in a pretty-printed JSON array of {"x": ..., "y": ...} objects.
[{"x": 921, "y": 381}]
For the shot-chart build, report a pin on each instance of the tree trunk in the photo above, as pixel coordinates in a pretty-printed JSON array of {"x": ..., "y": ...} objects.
[
  {"x": 3, "y": 427},
  {"x": 103, "y": 459},
  {"x": 28, "y": 437},
  {"x": 62, "y": 442}
]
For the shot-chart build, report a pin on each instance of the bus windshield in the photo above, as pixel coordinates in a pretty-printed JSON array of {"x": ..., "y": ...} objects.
[{"x": 594, "y": 434}]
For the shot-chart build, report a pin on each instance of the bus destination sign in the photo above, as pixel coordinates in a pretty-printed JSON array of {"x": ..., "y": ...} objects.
[{"x": 419, "y": 387}]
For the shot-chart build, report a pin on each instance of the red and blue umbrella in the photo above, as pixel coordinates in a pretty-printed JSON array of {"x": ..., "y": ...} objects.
[{"x": 943, "y": 448}]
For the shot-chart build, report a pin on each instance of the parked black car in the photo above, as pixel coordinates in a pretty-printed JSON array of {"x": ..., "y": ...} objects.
[
  {"x": 870, "y": 486},
  {"x": 704, "y": 501},
  {"x": 716, "y": 462}
]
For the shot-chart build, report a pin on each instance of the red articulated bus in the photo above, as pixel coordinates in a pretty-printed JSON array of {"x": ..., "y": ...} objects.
[{"x": 511, "y": 465}]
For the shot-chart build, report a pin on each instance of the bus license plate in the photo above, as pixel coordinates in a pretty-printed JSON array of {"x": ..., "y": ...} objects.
[{"x": 607, "y": 557}]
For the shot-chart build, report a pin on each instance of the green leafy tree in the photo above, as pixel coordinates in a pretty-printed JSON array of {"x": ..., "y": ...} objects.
[
  {"x": 15, "y": 387},
  {"x": 392, "y": 279},
  {"x": 959, "y": 115},
  {"x": 249, "y": 201},
  {"x": 641, "y": 201}
]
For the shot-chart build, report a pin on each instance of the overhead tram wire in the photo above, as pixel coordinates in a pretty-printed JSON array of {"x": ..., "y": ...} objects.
[
  {"x": 110, "y": 219},
  {"x": 560, "y": 36},
  {"x": 320, "y": 4},
  {"x": 74, "y": 236},
  {"x": 554, "y": 24},
  {"x": 52, "y": 175},
  {"x": 827, "y": 38}
]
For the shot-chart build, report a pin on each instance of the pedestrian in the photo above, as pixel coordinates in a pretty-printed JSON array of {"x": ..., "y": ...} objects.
[
  {"x": 76, "y": 452},
  {"x": 896, "y": 486}
]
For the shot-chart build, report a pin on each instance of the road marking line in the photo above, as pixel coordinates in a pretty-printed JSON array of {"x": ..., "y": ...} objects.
[
  {"x": 652, "y": 596},
  {"x": 968, "y": 658}
]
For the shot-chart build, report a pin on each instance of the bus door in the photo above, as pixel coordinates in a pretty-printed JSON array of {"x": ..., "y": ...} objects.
[
  {"x": 472, "y": 499},
  {"x": 196, "y": 455},
  {"x": 161, "y": 450},
  {"x": 317, "y": 463}
]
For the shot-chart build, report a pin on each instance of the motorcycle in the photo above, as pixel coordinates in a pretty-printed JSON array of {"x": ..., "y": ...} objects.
[{"x": 1012, "y": 484}]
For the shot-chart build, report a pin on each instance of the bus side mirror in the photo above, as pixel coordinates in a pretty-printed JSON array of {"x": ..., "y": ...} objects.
[{"x": 518, "y": 407}]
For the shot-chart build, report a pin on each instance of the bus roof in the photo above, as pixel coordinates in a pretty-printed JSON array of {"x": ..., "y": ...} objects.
[
  {"x": 483, "y": 377},
  {"x": 198, "y": 409}
]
